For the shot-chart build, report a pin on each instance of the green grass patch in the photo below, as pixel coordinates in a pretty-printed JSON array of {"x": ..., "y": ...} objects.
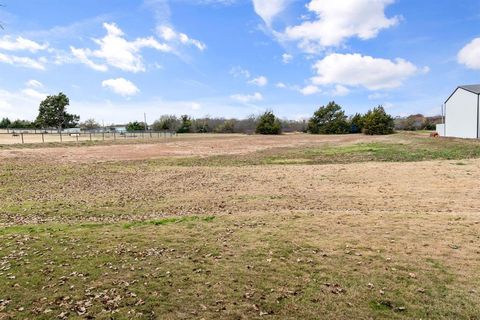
[
  {"x": 166, "y": 221},
  {"x": 399, "y": 149}
]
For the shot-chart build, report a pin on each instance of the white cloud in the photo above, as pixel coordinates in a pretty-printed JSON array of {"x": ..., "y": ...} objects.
[
  {"x": 357, "y": 70},
  {"x": 377, "y": 96},
  {"x": 34, "y": 84},
  {"x": 260, "y": 81},
  {"x": 22, "y": 104},
  {"x": 116, "y": 51},
  {"x": 240, "y": 72},
  {"x": 340, "y": 91},
  {"x": 287, "y": 58},
  {"x": 195, "y": 106},
  {"x": 121, "y": 86},
  {"x": 246, "y": 98},
  {"x": 281, "y": 85},
  {"x": 20, "y": 43},
  {"x": 82, "y": 56},
  {"x": 25, "y": 62},
  {"x": 32, "y": 93},
  {"x": 170, "y": 35},
  {"x": 470, "y": 54},
  {"x": 336, "y": 21},
  {"x": 268, "y": 9},
  {"x": 309, "y": 90}
]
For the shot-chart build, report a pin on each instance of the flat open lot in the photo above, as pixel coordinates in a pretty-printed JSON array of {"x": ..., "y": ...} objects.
[
  {"x": 242, "y": 227},
  {"x": 192, "y": 145}
]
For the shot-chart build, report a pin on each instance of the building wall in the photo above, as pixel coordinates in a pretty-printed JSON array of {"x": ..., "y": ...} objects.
[
  {"x": 440, "y": 129},
  {"x": 461, "y": 115}
]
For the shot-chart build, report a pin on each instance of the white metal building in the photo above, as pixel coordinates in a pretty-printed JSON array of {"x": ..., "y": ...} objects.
[{"x": 462, "y": 113}]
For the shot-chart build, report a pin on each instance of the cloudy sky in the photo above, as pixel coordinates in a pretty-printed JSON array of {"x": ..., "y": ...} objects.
[{"x": 117, "y": 59}]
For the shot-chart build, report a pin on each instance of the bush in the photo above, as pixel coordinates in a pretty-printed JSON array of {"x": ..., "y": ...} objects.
[
  {"x": 417, "y": 122},
  {"x": 202, "y": 126},
  {"x": 267, "y": 123},
  {"x": 185, "y": 125},
  {"x": 165, "y": 123},
  {"x": 329, "y": 119},
  {"x": 228, "y": 126},
  {"x": 135, "y": 126},
  {"x": 294, "y": 126},
  {"x": 90, "y": 124},
  {"x": 429, "y": 125},
  {"x": 377, "y": 122}
]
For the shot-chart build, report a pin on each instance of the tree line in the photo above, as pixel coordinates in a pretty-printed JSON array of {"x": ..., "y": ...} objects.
[{"x": 328, "y": 119}]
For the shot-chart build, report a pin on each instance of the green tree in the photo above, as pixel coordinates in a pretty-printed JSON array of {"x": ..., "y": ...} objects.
[
  {"x": 268, "y": 123},
  {"x": 329, "y": 119},
  {"x": 378, "y": 122},
  {"x": 52, "y": 113},
  {"x": 356, "y": 123},
  {"x": 166, "y": 122},
  {"x": 185, "y": 124},
  {"x": 21, "y": 124},
  {"x": 5, "y": 123},
  {"x": 135, "y": 126}
]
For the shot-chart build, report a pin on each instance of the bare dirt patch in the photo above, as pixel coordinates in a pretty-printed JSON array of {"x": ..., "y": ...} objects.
[
  {"x": 194, "y": 145},
  {"x": 142, "y": 190}
]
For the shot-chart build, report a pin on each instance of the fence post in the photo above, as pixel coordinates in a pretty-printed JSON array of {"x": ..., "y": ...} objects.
[
  {"x": 61, "y": 136},
  {"x": 22, "y": 137},
  {"x": 114, "y": 136},
  {"x": 103, "y": 136},
  {"x": 77, "y": 137},
  {"x": 43, "y": 138}
]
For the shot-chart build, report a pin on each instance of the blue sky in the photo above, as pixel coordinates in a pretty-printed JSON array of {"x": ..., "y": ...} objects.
[{"x": 119, "y": 59}]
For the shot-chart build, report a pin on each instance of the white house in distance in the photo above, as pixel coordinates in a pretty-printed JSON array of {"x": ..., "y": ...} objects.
[{"x": 462, "y": 113}]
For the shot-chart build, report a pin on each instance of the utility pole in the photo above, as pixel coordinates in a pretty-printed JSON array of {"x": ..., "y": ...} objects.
[{"x": 145, "y": 119}]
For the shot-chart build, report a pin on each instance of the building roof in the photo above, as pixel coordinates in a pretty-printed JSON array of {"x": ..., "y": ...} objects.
[{"x": 474, "y": 88}]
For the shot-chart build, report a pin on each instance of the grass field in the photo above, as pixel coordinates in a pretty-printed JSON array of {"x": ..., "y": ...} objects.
[{"x": 242, "y": 227}]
